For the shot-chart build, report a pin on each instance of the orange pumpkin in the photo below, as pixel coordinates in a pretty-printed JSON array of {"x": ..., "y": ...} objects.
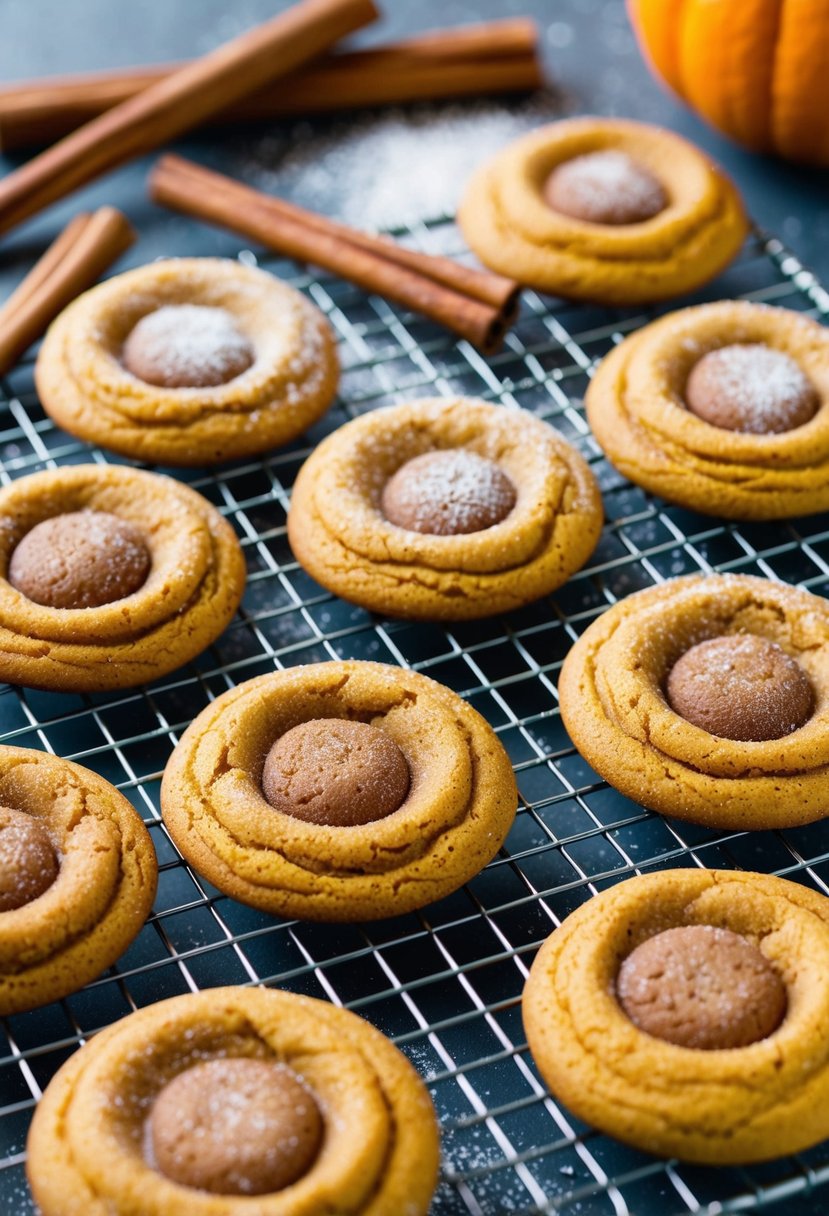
[{"x": 756, "y": 69}]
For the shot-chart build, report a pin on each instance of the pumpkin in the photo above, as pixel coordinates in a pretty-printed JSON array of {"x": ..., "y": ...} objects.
[{"x": 758, "y": 70}]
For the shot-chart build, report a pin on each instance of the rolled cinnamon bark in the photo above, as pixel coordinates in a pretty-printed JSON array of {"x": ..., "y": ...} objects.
[
  {"x": 180, "y": 101},
  {"x": 491, "y": 57},
  {"x": 475, "y": 304},
  {"x": 88, "y": 246}
]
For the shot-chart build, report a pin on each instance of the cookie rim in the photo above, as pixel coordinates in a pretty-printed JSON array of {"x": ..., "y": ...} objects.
[
  {"x": 572, "y": 1023},
  {"x": 202, "y": 580},
  {"x": 115, "y": 906},
  {"x": 269, "y": 1015},
  {"x": 634, "y": 407},
  {"x": 506, "y": 222},
  {"x": 720, "y": 783},
  {"x": 331, "y": 889},
  {"x": 85, "y": 390},
  {"x": 340, "y": 536}
]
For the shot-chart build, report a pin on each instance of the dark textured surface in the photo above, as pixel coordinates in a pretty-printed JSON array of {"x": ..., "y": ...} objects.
[{"x": 589, "y": 49}]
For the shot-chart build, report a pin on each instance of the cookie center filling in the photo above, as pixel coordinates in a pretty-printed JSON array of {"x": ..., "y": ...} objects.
[
  {"x": 740, "y": 687},
  {"x": 750, "y": 388},
  {"x": 333, "y": 771},
  {"x": 235, "y": 1127},
  {"x": 28, "y": 861},
  {"x": 699, "y": 986},
  {"x": 82, "y": 559},
  {"x": 187, "y": 346},
  {"x": 448, "y": 493},
  {"x": 605, "y": 188}
]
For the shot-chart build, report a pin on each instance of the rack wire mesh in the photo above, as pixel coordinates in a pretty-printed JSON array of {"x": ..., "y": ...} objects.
[{"x": 444, "y": 983}]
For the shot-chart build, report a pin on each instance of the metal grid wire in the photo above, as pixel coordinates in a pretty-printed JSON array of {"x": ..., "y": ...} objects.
[{"x": 444, "y": 983}]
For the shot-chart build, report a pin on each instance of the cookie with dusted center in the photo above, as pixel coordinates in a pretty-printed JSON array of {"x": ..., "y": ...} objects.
[
  {"x": 683, "y": 1012},
  {"x": 235, "y": 1100},
  {"x": 188, "y": 361},
  {"x": 444, "y": 510},
  {"x": 110, "y": 577},
  {"x": 339, "y": 791},
  {"x": 77, "y": 877},
  {"x": 603, "y": 209},
  {"x": 707, "y": 698},
  {"x": 722, "y": 408}
]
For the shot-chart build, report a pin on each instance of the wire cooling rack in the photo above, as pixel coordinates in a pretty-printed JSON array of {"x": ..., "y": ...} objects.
[{"x": 445, "y": 983}]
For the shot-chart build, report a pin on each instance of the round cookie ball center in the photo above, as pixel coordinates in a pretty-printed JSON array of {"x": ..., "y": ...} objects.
[
  {"x": 750, "y": 388},
  {"x": 448, "y": 493},
  {"x": 82, "y": 559},
  {"x": 336, "y": 772},
  {"x": 187, "y": 346},
  {"x": 740, "y": 687},
  {"x": 702, "y": 987},
  {"x": 235, "y": 1127},
  {"x": 28, "y": 861},
  {"x": 605, "y": 188}
]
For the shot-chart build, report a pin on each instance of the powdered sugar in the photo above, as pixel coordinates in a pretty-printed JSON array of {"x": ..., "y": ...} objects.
[
  {"x": 180, "y": 345},
  {"x": 448, "y": 492},
  {"x": 751, "y": 388},
  {"x": 606, "y": 187}
]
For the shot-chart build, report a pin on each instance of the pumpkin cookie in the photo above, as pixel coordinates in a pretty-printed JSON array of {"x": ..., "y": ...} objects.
[
  {"x": 237, "y": 1099},
  {"x": 708, "y": 699},
  {"x": 684, "y": 1013},
  {"x": 444, "y": 510},
  {"x": 339, "y": 791},
  {"x": 723, "y": 408},
  {"x": 77, "y": 877},
  {"x": 110, "y": 577},
  {"x": 601, "y": 209},
  {"x": 189, "y": 361}
]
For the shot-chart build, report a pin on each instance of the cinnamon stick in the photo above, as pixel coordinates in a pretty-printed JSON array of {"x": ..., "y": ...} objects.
[
  {"x": 179, "y": 101},
  {"x": 475, "y": 304},
  {"x": 490, "y": 57},
  {"x": 88, "y": 246}
]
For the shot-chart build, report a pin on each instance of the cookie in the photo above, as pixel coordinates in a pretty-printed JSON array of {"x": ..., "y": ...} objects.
[
  {"x": 754, "y": 1086},
  {"x": 236, "y": 1099},
  {"x": 188, "y": 361},
  {"x": 707, "y": 698},
  {"x": 601, "y": 209},
  {"x": 444, "y": 510},
  {"x": 77, "y": 877},
  {"x": 110, "y": 577},
  {"x": 722, "y": 408},
  {"x": 338, "y": 791}
]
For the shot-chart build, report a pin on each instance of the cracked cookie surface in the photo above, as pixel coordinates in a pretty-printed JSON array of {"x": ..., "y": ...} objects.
[
  {"x": 101, "y": 880},
  {"x": 85, "y": 384},
  {"x": 193, "y": 588},
  {"x": 460, "y": 804},
  {"x": 614, "y": 705},
  {"x": 512, "y": 228},
  {"x": 89, "y": 1149},
  {"x": 719, "y": 1106},
  {"x": 636, "y": 408},
  {"x": 341, "y": 536}
]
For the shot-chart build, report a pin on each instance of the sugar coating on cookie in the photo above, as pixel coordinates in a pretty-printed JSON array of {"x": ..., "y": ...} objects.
[
  {"x": 81, "y": 559},
  {"x": 450, "y": 492},
  {"x": 740, "y": 686},
  {"x": 235, "y": 1126},
  {"x": 334, "y": 771},
  {"x": 187, "y": 346},
  {"x": 605, "y": 188},
  {"x": 752, "y": 388},
  {"x": 28, "y": 860},
  {"x": 703, "y": 987}
]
